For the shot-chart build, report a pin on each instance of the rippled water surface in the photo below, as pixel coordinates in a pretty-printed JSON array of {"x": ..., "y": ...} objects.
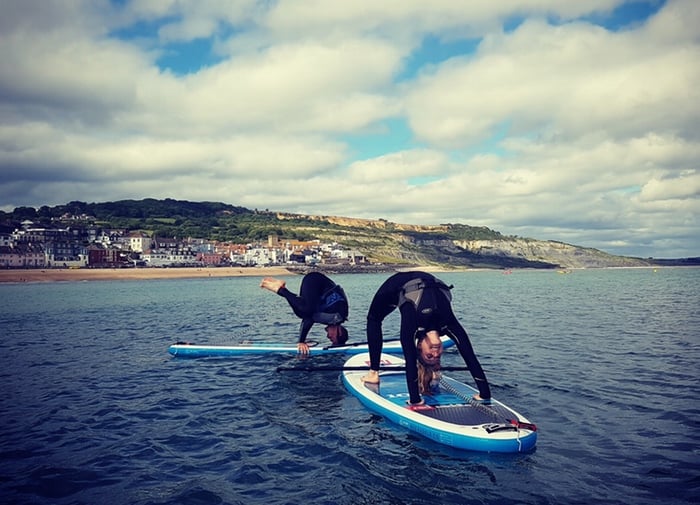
[{"x": 94, "y": 409}]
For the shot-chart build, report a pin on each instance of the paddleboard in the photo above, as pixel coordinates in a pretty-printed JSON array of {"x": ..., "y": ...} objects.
[
  {"x": 191, "y": 350},
  {"x": 450, "y": 416}
]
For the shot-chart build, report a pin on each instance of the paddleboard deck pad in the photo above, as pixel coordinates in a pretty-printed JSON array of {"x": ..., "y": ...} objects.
[
  {"x": 191, "y": 350},
  {"x": 450, "y": 416}
]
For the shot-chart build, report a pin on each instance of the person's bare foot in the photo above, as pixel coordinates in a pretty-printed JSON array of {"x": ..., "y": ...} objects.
[
  {"x": 272, "y": 284},
  {"x": 372, "y": 377}
]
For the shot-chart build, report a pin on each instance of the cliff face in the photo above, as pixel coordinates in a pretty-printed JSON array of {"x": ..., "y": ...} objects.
[
  {"x": 379, "y": 240},
  {"x": 384, "y": 241},
  {"x": 556, "y": 253},
  {"x": 351, "y": 222}
]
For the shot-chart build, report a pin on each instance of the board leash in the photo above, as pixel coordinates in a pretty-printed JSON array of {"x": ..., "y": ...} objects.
[
  {"x": 498, "y": 416},
  {"x": 499, "y": 413}
]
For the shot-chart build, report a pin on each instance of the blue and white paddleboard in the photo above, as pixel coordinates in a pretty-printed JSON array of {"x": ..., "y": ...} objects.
[
  {"x": 188, "y": 350},
  {"x": 449, "y": 417}
]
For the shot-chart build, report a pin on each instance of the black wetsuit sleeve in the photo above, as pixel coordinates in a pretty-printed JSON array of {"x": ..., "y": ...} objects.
[
  {"x": 302, "y": 308},
  {"x": 304, "y": 328},
  {"x": 457, "y": 333}
]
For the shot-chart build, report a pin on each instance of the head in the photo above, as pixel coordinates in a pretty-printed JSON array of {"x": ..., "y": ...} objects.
[
  {"x": 337, "y": 334},
  {"x": 429, "y": 347}
]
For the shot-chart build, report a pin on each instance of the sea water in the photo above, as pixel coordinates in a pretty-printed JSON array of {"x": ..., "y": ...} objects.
[{"x": 94, "y": 410}]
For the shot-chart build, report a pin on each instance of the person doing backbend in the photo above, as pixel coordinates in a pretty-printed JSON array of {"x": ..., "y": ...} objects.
[
  {"x": 424, "y": 303},
  {"x": 320, "y": 300}
]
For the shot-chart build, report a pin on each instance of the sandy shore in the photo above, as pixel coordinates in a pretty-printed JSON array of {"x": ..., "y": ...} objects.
[
  {"x": 115, "y": 274},
  {"x": 101, "y": 274}
]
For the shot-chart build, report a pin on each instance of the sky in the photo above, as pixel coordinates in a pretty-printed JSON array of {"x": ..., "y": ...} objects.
[{"x": 549, "y": 119}]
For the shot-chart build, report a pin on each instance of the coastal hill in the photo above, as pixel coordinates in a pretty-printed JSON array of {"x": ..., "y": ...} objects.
[
  {"x": 381, "y": 241},
  {"x": 459, "y": 245}
]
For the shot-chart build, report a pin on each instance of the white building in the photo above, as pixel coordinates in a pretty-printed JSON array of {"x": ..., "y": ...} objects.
[
  {"x": 139, "y": 241},
  {"x": 168, "y": 258}
]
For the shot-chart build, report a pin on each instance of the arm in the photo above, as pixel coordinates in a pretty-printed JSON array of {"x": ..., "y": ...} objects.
[{"x": 304, "y": 328}]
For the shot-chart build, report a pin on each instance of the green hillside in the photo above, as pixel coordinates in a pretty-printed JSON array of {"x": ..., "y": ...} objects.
[{"x": 455, "y": 245}]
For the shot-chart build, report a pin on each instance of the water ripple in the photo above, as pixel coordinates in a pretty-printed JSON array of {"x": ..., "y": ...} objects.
[{"x": 95, "y": 411}]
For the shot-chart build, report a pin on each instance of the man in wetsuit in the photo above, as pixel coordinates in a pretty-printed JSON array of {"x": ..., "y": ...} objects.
[
  {"x": 426, "y": 313},
  {"x": 320, "y": 300}
]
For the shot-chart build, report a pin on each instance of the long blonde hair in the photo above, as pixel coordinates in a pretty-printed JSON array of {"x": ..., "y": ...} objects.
[{"x": 426, "y": 375}]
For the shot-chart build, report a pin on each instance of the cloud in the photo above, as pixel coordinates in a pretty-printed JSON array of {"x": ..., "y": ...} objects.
[
  {"x": 563, "y": 81},
  {"x": 685, "y": 186},
  {"x": 400, "y": 166},
  {"x": 549, "y": 119},
  {"x": 299, "y": 87}
]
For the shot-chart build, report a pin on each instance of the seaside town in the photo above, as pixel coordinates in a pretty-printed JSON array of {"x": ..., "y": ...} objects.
[{"x": 31, "y": 246}]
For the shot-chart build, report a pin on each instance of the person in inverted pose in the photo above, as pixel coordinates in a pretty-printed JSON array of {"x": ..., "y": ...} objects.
[
  {"x": 426, "y": 313},
  {"x": 320, "y": 300}
]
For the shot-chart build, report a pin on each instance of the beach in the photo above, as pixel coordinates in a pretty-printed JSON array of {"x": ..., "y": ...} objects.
[{"x": 116, "y": 274}]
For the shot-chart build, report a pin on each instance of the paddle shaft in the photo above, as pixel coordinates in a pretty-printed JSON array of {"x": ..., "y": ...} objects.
[
  {"x": 357, "y": 368},
  {"x": 357, "y": 344}
]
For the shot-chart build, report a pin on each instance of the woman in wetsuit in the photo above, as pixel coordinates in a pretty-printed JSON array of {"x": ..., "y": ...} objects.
[
  {"x": 320, "y": 300},
  {"x": 426, "y": 313}
]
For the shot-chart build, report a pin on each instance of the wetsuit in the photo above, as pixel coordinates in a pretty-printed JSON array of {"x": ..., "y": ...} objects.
[
  {"x": 434, "y": 312},
  {"x": 308, "y": 305}
]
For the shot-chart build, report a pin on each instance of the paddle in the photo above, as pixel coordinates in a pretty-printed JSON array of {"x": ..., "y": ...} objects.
[
  {"x": 353, "y": 368},
  {"x": 355, "y": 344}
]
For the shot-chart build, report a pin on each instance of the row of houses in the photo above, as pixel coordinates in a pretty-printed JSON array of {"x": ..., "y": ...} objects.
[{"x": 37, "y": 247}]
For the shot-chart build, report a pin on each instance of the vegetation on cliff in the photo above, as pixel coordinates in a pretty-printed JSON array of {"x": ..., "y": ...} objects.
[{"x": 457, "y": 245}]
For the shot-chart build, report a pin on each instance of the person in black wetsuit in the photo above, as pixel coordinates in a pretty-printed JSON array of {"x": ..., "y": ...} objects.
[
  {"x": 320, "y": 300},
  {"x": 426, "y": 313}
]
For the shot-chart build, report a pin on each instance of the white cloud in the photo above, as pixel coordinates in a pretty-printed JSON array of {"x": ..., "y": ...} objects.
[
  {"x": 561, "y": 130},
  {"x": 567, "y": 80},
  {"x": 399, "y": 166},
  {"x": 395, "y": 17},
  {"x": 293, "y": 88},
  {"x": 684, "y": 186}
]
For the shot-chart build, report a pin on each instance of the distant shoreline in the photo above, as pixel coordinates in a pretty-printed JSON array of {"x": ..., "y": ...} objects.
[
  {"x": 116, "y": 274},
  {"x": 150, "y": 273}
]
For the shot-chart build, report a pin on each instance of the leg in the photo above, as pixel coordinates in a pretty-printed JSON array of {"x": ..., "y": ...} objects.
[
  {"x": 409, "y": 325},
  {"x": 374, "y": 345},
  {"x": 313, "y": 285},
  {"x": 280, "y": 287}
]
